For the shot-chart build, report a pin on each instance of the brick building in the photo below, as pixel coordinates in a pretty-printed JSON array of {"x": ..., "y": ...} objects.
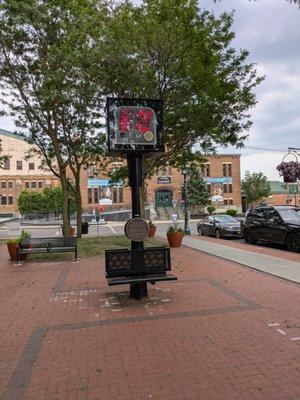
[
  {"x": 282, "y": 193},
  {"x": 164, "y": 188},
  {"x": 19, "y": 174}
]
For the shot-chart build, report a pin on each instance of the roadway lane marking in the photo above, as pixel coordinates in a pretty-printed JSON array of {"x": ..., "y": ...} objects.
[
  {"x": 281, "y": 331},
  {"x": 295, "y": 338},
  {"x": 275, "y": 324},
  {"x": 112, "y": 229}
]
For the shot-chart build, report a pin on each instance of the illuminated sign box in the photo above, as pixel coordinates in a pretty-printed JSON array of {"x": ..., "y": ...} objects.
[{"x": 134, "y": 125}]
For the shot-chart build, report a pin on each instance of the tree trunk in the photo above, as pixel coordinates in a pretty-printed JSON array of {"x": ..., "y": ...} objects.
[
  {"x": 65, "y": 204},
  {"x": 78, "y": 204}
]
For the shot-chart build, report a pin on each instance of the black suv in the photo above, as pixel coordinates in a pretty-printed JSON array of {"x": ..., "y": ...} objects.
[{"x": 277, "y": 224}]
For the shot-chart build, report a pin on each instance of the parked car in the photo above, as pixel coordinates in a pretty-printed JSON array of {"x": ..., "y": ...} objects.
[
  {"x": 219, "y": 226},
  {"x": 276, "y": 224}
]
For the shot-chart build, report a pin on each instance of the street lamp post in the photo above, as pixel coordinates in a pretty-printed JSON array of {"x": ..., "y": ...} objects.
[{"x": 186, "y": 202}]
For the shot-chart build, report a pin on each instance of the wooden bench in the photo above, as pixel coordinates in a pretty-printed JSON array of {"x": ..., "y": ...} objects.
[
  {"x": 137, "y": 267},
  {"x": 47, "y": 245}
]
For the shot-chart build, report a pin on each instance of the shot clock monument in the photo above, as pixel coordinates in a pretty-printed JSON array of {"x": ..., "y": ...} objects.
[{"x": 135, "y": 128}]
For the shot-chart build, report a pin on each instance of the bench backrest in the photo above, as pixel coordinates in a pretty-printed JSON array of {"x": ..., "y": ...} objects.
[
  {"x": 124, "y": 262},
  {"x": 70, "y": 241}
]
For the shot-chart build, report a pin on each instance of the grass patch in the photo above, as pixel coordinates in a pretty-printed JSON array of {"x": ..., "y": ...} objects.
[{"x": 93, "y": 247}]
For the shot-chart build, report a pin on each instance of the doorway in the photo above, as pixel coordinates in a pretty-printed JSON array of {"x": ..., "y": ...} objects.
[{"x": 163, "y": 198}]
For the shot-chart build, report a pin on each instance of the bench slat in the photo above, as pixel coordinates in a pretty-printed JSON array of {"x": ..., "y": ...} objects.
[{"x": 146, "y": 278}]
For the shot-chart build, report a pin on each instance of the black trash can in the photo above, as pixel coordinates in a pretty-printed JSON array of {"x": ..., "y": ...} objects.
[{"x": 84, "y": 228}]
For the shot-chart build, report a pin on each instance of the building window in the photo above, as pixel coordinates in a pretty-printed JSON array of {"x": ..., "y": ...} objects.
[
  {"x": 225, "y": 202},
  {"x": 31, "y": 165},
  {"x": 33, "y": 185},
  {"x": 6, "y": 164},
  {"x": 208, "y": 187},
  {"x": 3, "y": 200},
  {"x": 230, "y": 188},
  {"x": 3, "y": 185},
  {"x": 10, "y": 185},
  {"x": 121, "y": 197},
  {"x": 90, "y": 196},
  {"x": 225, "y": 188},
  {"x": 157, "y": 172},
  {"x": 96, "y": 195},
  {"x": 227, "y": 169},
  {"x": 19, "y": 165},
  {"x": 170, "y": 170},
  {"x": 10, "y": 200},
  {"x": 27, "y": 185},
  {"x": 40, "y": 185},
  {"x": 115, "y": 195},
  {"x": 230, "y": 201},
  {"x": 205, "y": 170},
  {"x": 164, "y": 171}
]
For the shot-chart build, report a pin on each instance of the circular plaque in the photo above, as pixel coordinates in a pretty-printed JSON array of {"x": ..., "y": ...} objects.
[{"x": 136, "y": 229}]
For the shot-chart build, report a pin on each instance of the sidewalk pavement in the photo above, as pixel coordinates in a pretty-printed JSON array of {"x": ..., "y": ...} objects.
[
  {"x": 221, "y": 332},
  {"x": 280, "y": 267}
]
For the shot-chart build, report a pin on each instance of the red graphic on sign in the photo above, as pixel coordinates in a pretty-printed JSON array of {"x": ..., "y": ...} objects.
[{"x": 138, "y": 120}]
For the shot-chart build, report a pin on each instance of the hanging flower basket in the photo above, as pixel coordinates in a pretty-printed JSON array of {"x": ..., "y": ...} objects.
[{"x": 289, "y": 170}]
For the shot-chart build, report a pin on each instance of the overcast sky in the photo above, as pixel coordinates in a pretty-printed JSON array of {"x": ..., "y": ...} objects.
[{"x": 270, "y": 30}]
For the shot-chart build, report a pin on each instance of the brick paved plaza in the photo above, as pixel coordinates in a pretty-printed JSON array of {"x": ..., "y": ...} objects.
[{"x": 221, "y": 332}]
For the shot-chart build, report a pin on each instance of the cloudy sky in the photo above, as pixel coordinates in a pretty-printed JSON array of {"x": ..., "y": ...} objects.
[{"x": 270, "y": 30}]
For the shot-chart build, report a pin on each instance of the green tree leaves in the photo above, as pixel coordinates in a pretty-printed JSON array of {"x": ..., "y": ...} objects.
[{"x": 256, "y": 187}]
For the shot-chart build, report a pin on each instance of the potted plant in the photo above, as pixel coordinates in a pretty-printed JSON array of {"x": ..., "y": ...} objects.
[
  {"x": 12, "y": 246},
  {"x": 175, "y": 235},
  {"x": 152, "y": 228},
  {"x": 289, "y": 170},
  {"x": 211, "y": 209}
]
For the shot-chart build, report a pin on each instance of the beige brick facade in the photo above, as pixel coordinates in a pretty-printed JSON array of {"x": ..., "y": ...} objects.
[{"x": 19, "y": 173}]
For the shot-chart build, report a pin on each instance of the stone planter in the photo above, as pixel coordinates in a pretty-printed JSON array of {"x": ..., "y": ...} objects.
[{"x": 175, "y": 238}]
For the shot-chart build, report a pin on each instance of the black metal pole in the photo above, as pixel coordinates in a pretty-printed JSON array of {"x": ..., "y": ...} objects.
[
  {"x": 186, "y": 205},
  {"x": 134, "y": 162}
]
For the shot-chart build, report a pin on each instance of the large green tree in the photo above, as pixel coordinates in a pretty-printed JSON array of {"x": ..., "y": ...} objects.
[
  {"x": 174, "y": 51},
  {"x": 256, "y": 186},
  {"x": 47, "y": 50},
  {"x": 198, "y": 193}
]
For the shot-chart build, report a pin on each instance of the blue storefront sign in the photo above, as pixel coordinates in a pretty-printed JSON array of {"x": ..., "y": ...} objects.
[
  {"x": 224, "y": 180},
  {"x": 103, "y": 183}
]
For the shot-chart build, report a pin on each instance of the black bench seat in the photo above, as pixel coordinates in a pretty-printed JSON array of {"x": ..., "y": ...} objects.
[
  {"x": 138, "y": 267},
  {"x": 146, "y": 278},
  {"x": 47, "y": 245}
]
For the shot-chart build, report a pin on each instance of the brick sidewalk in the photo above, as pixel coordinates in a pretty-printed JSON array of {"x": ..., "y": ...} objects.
[{"x": 221, "y": 332}]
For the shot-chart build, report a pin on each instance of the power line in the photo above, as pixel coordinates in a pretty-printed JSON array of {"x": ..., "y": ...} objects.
[{"x": 263, "y": 149}]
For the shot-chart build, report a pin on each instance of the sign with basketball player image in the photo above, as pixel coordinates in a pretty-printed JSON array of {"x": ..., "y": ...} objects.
[
  {"x": 134, "y": 125},
  {"x": 217, "y": 191}
]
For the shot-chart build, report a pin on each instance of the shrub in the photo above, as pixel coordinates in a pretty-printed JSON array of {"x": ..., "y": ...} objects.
[
  {"x": 211, "y": 209},
  {"x": 233, "y": 213}
]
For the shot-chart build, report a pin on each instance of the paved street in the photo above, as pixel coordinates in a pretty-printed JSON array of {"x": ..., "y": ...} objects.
[{"x": 221, "y": 332}]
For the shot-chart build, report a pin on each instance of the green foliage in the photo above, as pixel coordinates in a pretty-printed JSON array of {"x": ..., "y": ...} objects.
[
  {"x": 197, "y": 189},
  {"x": 23, "y": 235},
  {"x": 211, "y": 209},
  {"x": 232, "y": 213},
  {"x": 175, "y": 228},
  {"x": 3, "y": 157},
  {"x": 48, "y": 201},
  {"x": 256, "y": 187},
  {"x": 174, "y": 51}
]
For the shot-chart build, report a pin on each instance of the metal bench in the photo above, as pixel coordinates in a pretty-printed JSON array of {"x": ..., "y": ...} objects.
[
  {"x": 47, "y": 245},
  {"x": 137, "y": 267}
]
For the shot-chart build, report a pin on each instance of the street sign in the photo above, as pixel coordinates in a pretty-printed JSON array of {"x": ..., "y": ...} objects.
[{"x": 134, "y": 125}]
